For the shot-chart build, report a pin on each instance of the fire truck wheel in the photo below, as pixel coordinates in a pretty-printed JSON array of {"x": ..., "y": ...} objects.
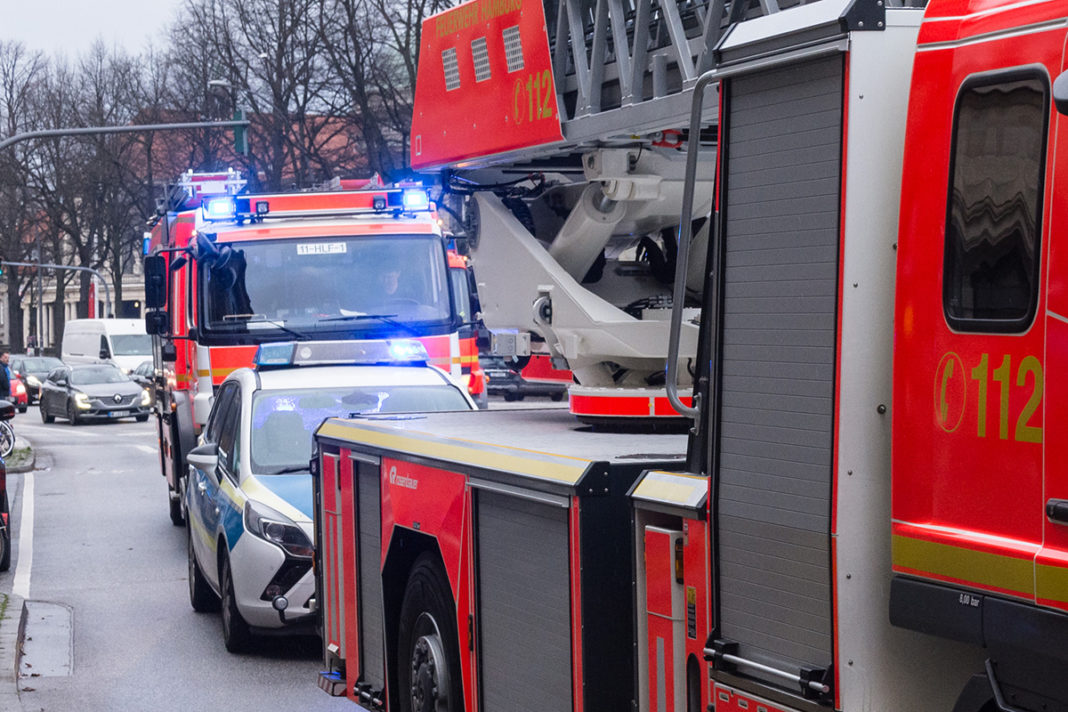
[
  {"x": 175, "y": 510},
  {"x": 428, "y": 664},
  {"x": 201, "y": 597},
  {"x": 236, "y": 633}
]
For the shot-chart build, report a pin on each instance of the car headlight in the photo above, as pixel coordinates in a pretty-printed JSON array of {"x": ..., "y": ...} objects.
[
  {"x": 33, "y": 380},
  {"x": 146, "y": 399},
  {"x": 81, "y": 400},
  {"x": 275, "y": 527}
]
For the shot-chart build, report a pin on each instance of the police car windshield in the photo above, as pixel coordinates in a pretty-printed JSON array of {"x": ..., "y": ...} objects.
[
  {"x": 96, "y": 374},
  {"x": 283, "y": 421},
  {"x": 311, "y": 284}
]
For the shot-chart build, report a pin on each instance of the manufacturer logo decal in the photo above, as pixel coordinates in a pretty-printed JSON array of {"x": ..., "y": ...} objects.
[
  {"x": 951, "y": 390},
  {"x": 117, "y": 398},
  {"x": 402, "y": 480}
]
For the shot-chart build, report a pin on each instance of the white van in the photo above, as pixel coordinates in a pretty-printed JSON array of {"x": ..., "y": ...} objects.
[{"x": 122, "y": 342}]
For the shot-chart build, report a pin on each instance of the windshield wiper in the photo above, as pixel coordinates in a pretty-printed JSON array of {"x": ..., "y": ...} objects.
[
  {"x": 384, "y": 318},
  {"x": 262, "y": 319},
  {"x": 291, "y": 468}
]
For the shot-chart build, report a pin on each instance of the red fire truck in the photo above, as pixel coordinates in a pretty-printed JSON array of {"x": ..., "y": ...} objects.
[
  {"x": 226, "y": 272},
  {"x": 867, "y": 514}
]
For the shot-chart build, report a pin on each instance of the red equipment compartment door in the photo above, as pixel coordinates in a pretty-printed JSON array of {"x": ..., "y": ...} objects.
[
  {"x": 1051, "y": 564},
  {"x": 666, "y": 619}
]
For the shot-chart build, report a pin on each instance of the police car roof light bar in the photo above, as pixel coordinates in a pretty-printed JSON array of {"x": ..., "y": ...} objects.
[{"x": 356, "y": 352}]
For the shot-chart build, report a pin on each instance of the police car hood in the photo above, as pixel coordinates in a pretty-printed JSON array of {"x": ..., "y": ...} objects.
[
  {"x": 103, "y": 390},
  {"x": 293, "y": 493}
]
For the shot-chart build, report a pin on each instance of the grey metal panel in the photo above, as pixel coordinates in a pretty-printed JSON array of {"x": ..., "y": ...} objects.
[
  {"x": 524, "y": 604},
  {"x": 776, "y": 410},
  {"x": 369, "y": 521}
]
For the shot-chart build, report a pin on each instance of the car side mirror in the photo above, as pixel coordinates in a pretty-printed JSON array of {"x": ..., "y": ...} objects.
[{"x": 204, "y": 457}]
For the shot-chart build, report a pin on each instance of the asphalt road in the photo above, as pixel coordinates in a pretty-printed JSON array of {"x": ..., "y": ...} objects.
[{"x": 107, "y": 571}]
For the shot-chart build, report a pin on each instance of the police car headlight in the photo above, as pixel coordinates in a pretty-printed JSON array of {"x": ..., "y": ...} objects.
[
  {"x": 275, "y": 527},
  {"x": 81, "y": 400},
  {"x": 146, "y": 399}
]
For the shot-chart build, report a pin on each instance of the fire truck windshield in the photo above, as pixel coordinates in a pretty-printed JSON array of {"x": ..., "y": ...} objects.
[{"x": 324, "y": 287}]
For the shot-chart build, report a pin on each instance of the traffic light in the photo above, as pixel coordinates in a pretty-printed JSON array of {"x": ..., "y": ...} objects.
[{"x": 240, "y": 134}]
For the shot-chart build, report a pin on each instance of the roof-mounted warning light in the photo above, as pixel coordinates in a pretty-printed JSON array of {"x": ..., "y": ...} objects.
[
  {"x": 368, "y": 352},
  {"x": 415, "y": 199},
  {"x": 233, "y": 209}
]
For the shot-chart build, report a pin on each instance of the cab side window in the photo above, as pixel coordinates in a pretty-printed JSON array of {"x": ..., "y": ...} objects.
[{"x": 994, "y": 216}]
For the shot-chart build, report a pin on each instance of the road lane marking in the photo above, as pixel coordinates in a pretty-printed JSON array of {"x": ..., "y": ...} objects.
[
  {"x": 147, "y": 448},
  {"x": 21, "y": 585}
]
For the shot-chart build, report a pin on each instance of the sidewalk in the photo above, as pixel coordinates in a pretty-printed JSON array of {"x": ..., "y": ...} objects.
[{"x": 11, "y": 605}]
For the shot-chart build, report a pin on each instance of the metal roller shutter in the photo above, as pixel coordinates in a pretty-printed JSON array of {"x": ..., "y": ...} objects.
[
  {"x": 777, "y": 389},
  {"x": 372, "y": 641},
  {"x": 524, "y": 604}
]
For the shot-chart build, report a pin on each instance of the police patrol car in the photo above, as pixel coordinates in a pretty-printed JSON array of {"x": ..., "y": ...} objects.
[{"x": 249, "y": 492}]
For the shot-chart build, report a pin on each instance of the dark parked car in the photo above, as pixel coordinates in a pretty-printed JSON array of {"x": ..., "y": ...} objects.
[
  {"x": 88, "y": 391},
  {"x": 506, "y": 380},
  {"x": 33, "y": 370}
]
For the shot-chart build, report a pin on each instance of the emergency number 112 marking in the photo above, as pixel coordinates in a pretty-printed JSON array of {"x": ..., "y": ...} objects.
[{"x": 1030, "y": 366}]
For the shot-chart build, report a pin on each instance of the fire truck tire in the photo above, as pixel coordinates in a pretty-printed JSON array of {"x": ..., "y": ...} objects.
[
  {"x": 428, "y": 664},
  {"x": 201, "y": 597},
  {"x": 175, "y": 510},
  {"x": 236, "y": 633}
]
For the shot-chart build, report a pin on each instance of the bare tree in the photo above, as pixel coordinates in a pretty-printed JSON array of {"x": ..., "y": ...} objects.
[{"x": 19, "y": 69}]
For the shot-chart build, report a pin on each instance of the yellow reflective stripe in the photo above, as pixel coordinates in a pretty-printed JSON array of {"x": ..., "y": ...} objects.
[
  {"x": 1004, "y": 573},
  {"x": 674, "y": 487},
  {"x": 216, "y": 372},
  {"x": 529, "y": 463},
  {"x": 182, "y": 378},
  {"x": 1052, "y": 583}
]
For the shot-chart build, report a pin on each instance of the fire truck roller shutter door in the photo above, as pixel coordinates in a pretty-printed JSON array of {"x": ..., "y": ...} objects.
[
  {"x": 369, "y": 543},
  {"x": 776, "y": 412},
  {"x": 524, "y": 604}
]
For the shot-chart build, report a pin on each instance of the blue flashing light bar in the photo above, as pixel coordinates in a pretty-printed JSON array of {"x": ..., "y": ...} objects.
[
  {"x": 395, "y": 352},
  {"x": 276, "y": 354},
  {"x": 408, "y": 350},
  {"x": 220, "y": 209},
  {"x": 416, "y": 199}
]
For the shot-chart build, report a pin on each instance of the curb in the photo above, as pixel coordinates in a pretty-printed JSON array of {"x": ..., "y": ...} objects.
[
  {"x": 23, "y": 443},
  {"x": 10, "y": 634}
]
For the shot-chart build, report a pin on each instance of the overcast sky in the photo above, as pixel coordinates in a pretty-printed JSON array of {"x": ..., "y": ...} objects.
[{"x": 71, "y": 26}]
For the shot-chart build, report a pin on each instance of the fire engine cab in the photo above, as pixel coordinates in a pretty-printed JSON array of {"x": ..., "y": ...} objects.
[
  {"x": 869, "y": 511},
  {"x": 226, "y": 272}
]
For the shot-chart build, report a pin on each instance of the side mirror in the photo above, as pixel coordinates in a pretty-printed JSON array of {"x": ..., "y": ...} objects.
[
  {"x": 156, "y": 323},
  {"x": 104, "y": 354},
  {"x": 168, "y": 352},
  {"x": 204, "y": 457},
  {"x": 155, "y": 282},
  {"x": 1060, "y": 93}
]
